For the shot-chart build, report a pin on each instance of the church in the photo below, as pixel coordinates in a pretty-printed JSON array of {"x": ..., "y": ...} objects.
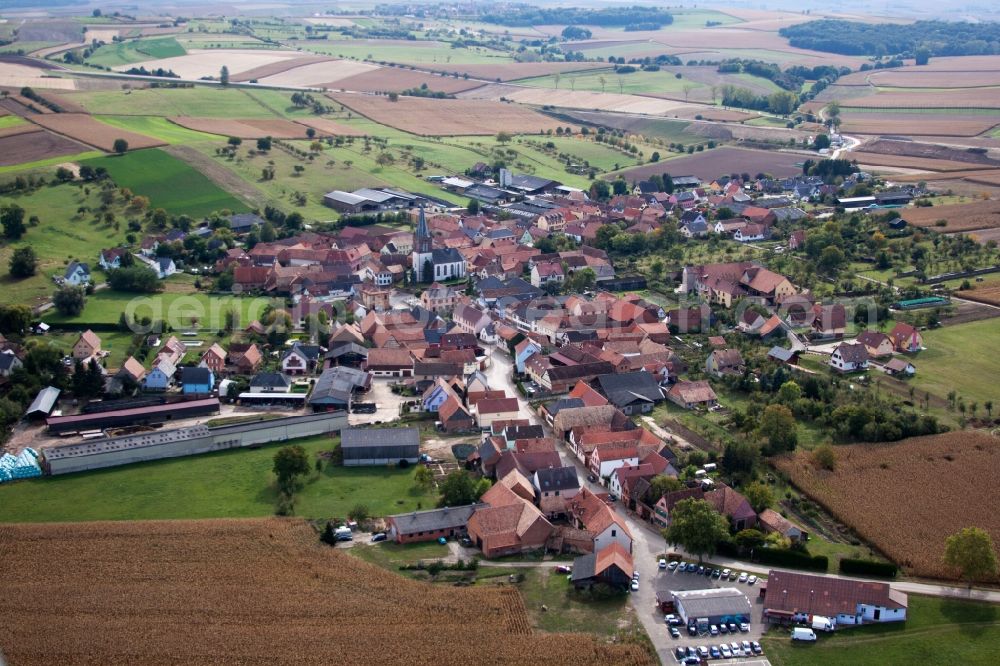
[{"x": 432, "y": 264}]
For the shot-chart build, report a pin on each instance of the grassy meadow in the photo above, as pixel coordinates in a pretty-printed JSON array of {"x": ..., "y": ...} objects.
[{"x": 133, "y": 51}]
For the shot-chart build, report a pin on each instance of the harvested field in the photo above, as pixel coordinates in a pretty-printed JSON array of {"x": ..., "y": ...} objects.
[
  {"x": 984, "y": 98},
  {"x": 966, "y": 175},
  {"x": 591, "y": 101},
  {"x": 448, "y": 117},
  {"x": 920, "y": 78},
  {"x": 34, "y": 146},
  {"x": 327, "y": 127},
  {"x": 963, "y": 64},
  {"x": 986, "y": 178},
  {"x": 895, "y": 497},
  {"x": 927, "y": 151},
  {"x": 713, "y": 113},
  {"x": 23, "y": 127},
  {"x": 880, "y": 159},
  {"x": 984, "y": 236},
  {"x": 207, "y": 62},
  {"x": 960, "y": 217},
  {"x": 85, "y": 129},
  {"x": 244, "y": 129},
  {"x": 397, "y": 79},
  {"x": 278, "y": 67},
  {"x": 983, "y": 293},
  {"x": 249, "y": 592},
  {"x": 318, "y": 75},
  {"x": 514, "y": 70},
  {"x": 721, "y": 161},
  {"x": 18, "y": 75},
  {"x": 916, "y": 124}
]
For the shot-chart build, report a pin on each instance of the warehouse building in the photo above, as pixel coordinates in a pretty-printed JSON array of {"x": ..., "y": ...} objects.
[
  {"x": 144, "y": 415},
  {"x": 114, "y": 451},
  {"x": 380, "y": 446},
  {"x": 336, "y": 386},
  {"x": 449, "y": 522},
  {"x": 713, "y": 605}
]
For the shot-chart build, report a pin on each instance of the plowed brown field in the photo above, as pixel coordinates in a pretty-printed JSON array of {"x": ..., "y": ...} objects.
[
  {"x": 916, "y": 124},
  {"x": 398, "y": 79},
  {"x": 33, "y": 146},
  {"x": 448, "y": 117},
  {"x": 250, "y": 592},
  {"x": 85, "y": 129},
  {"x": 244, "y": 129},
  {"x": 907, "y": 497},
  {"x": 960, "y": 217}
]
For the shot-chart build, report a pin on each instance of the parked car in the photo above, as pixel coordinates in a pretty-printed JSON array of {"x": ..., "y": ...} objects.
[
  {"x": 692, "y": 630},
  {"x": 674, "y": 633},
  {"x": 726, "y": 652},
  {"x": 672, "y": 566},
  {"x": 742, "y": 578},
  {"x": 735, "y": 647},
  {"x": 672, "y": 620},
  {"x": 713, "y": 630},
  {"x": 744, "y": 627},
  {"x": 751, "y": 580},
  {"x": 714, "y": 652},
  {"x": 755, "y": 646},
  {"x": 723, "y": 629},
  {"x": 703, "y": 652},
  {"x": 733, "y": 628},
  {"x": 745, "y": 645},
  {"x": 701, "y": 569},
  {"x": 661, "y": 563},
  {"x": 635, "y": 585},
  {"x": 379, "y": 536},
  {"x": 726, "y": 572},
  {"x": 565, "y": 569},
  {"x": 635, "y": 575},
  {"x": 680, "y": 652},
  {"x": 592, "y": 478},
  {"x": 716, "y": 574},
  {"x": 733, "y": 575}
]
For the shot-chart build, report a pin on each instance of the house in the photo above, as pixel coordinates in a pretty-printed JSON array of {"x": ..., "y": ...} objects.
[
  {"x": 496, "y": 409},
  {"x": 849, "y": 357},
  {"x": 161, "y": 376},
  {"x": 270, "y": 382},
  {"x": 380, "y": 446},
  {"x": 436, "y": 394},
  {"x": 906, "y": 338},
  {"x": 631, "y": 392},
  {"x": 454, "y": 417},
  {"x": 899, "y": 366},
  {"x": 300, "y": 359},
  {"x": 587, "y": 394},
  {"x": 246, "y": 358},
  {"x": 722, "y": 362},
  {"x": 590, "y": 512},
  {"x": 389, "y": 362},
  {"x": 523, "y": 351},
  {"x": 87, "y": 346},
  {"x": 752, "y": 232},
  {"x": 449, "y": 522},
  {"x": 214, "y": 359},
  {"x": 877, "y": 344},
  {"x": 9, "y": 362},
  {"x": 111, "y": 259},
  {"x": 690, "y": 395},
  {"x": 545, "y": 272},
  {"x": 606, "y": 458},
  {"x": 509, "y": 524},
  {"x": 77, "y": 274},
  {"x": 848, "y": 601},
  {"x": 830, "y": 321},
  {"x": 732, "y": 505},
  {"x": 773, "y": 522},
  {"x": 133, "y": 369},
  {"x": 611, "y": 566},
  {"x": 164, "y": 267},
  {"x": 796, "y": 239},
  {"x": 438, "y": 298},
  {"x": 555, "y": 486},
  {"x": 197, "y": 381}
]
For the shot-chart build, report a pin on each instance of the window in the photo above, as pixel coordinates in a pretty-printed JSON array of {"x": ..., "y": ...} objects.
[{"x": 614, "y": 533}]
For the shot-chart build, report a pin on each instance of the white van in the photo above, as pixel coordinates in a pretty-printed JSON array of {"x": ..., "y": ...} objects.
[{"x": 802, "y": 634}]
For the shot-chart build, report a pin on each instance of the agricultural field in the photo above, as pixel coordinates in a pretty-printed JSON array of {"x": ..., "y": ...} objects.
[
  {"x": 960, "y": 217},
  {"x": 247, "y": 128},
  {"x": 424, "y": 53},
  {"x": 585, "y": 100},
  {"x": 36, "y": 146},
  {"x": 169, "y": 183},
  {"x": 61, "y": 236},
  {"x": 158, "y": 128},
  {"x": 86, "y": 129},
  {"x": 128, "y": 52},
  {"x": 176, "y": 598},
  {"x": 898, "y": 513},
  {"x": 986, "y": 292},
  {"x": 963, "y": 358},
  {"x": 638, "y": 83},
  {"x": 448, "y": 117},
  {"x": 185, "y": 488},
  {"x": 200, "y": 101},
  {"x": 914, "y": 122},
  {"x": 971, "y": 629},
  {"x": 209, "y": 62},
  {"x": 393, "y": 79},
  {"x": 323, "y": 74},
  {"x": 717, "y": 162}
]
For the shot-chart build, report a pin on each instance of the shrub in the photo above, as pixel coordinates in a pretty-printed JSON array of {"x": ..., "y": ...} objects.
[{"x": 850, "y": 565}]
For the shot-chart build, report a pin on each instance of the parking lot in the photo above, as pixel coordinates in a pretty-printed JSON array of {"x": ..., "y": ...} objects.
[{"x": 668, "y": 581}]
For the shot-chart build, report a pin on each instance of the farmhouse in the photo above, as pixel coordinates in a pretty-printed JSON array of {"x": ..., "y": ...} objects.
[
  {"x": 87, "y": 345},
  {"x": 715, "y": 605},
  {"x": 77, "y": 274},
  {"x": 508, "y": 525},
  {"x": 431, "y": 525},
  {"x": 555, "y": 486},
  {"x": 690, "y": 395},
  {"x": 722, "y": 362},
  {"x": 496, "y": 409},
  {"x": 850, "y": 602},
  {"x": 380, "y": 446},
  {"x": 877, "y": 344},
  {"x": 906, "y": 338},
  {"x": 631, "y": 392},
  {"x": 773, "y": 522},
  {"x": 848, "y": 357},
  {"x": 611, "y": 565}
]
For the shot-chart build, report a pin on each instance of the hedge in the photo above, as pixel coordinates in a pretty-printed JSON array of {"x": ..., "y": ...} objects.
[
  {"x": 791, "y": 558},
  {"x": 850, "y": 565}
]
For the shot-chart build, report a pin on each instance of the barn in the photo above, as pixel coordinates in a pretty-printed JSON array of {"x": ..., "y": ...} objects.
[{"x": 379, "y": 446}]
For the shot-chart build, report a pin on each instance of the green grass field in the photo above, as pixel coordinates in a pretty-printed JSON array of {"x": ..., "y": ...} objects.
[
  {"x": 11, "y": 121},
  {"x": 227, "y": 484},
  {"x": 61, "y": 236},
  {"x": 962, "y": 358},
  {"x": 158, "y": 128},
  {"x": 140, "y": 50},
  {"x": 938, "y": 631},
  {"x": 188, "y": 311},
  {"x": 440, "y": 54},
  {"x": 169, "y": 183},
  {"x": 636, "y": 83},
  {"x": 200, "y": 101},
  {"x": 51, "y": 161}
]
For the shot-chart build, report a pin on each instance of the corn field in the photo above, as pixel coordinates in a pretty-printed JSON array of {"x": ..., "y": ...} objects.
[{"x": 249, "y": 592}]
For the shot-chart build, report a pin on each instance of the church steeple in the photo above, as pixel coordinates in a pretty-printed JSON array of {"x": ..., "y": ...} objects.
[{"x": 422, "y": 238}]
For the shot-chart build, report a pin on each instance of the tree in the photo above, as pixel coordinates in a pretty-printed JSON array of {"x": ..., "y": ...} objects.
[
  {"x": 619, "y": 186},
  {"x": 14, "y": 319},
  {"x": 473, "y": 207},
  {"x": 385, "y": 159},
  {"x": 740, "y": 458},
  {"x": 789, "y": 392},
  {"x": 234, "y": 141},
  {"x": 224, "y": 76},
  {"x": 660, "y": 486},
  {"x": 290, "y": 462},
  {"x": 267, "y": 234},
  {"x": 424, "y": 477},
  {"x": 503, "y": 137},
  {"x": 821, "y": 141},
  {"x": 23, "y": 262},
  {"x": 759, "y": 496},
  {"x": 459, "y": 488},
  {"x": 749, "y": 539},
  {"x": 12, "y": 219},
  {"x": 824, "y": 457},
  {"x": 778, "y": 428},
  {"x": 971, "y": 552},
  {"x": 140, "y": 279},
  {"x": 264, "y": 143},
  {"x": 120, "y": 146},
  {"x": 830, "y": 259},
  {"x": 394, "y": 97},
  {"x": 69, "y": 300},
  {"x": 64, "y": 175},
  {"x": 697, "y": 527},
  {"x": 655, "y": 157},
  {"x": 600, "y": 191},
  {"x": 922, "y": 55}
]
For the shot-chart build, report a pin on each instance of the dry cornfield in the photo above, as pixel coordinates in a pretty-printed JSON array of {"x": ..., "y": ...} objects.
[
  {"x": 905, "y": 498},
  {"x": 249, "y": 592}
]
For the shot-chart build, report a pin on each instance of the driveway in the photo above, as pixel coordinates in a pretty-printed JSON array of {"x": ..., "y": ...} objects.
[{"x": 387, "y": 401}]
